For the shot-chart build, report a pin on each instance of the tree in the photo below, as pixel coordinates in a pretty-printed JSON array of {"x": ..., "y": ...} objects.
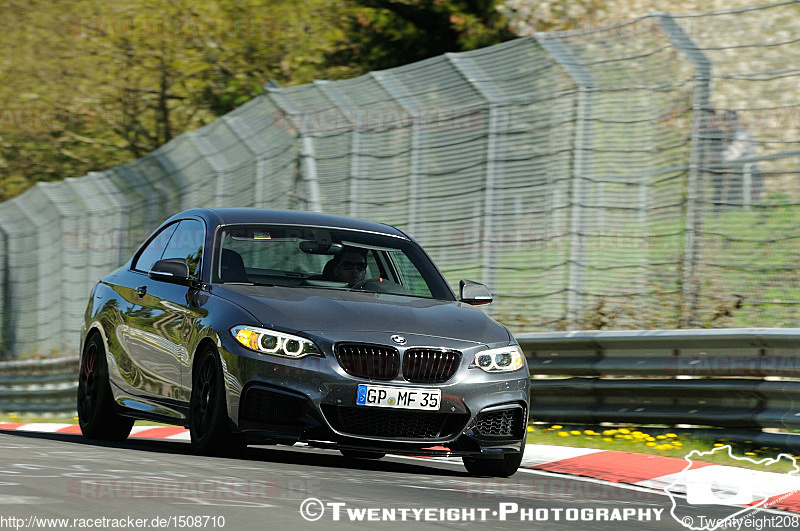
[
  {"x": 98, "y": 84},
  {"x": 388, "y": 33}
]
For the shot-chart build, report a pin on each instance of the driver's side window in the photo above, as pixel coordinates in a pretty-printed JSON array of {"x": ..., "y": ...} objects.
[
  {"x": 183, "y": 239},
  {"x": 152, "y": 253},
  {"x": 187, "y": 243}
]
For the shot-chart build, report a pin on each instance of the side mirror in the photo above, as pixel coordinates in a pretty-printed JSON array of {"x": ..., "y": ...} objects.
[
  {"x": 172, "y": 270},
  {"x": 474, "y": 293}
]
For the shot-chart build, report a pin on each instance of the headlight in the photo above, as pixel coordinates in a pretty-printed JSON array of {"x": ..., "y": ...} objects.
[
  {"x": 505, "y": 359},
  {"x": 275, "y": 343}
]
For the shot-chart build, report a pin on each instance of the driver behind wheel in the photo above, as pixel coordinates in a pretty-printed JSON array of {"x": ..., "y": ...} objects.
[{"x": 351, "y": 266}]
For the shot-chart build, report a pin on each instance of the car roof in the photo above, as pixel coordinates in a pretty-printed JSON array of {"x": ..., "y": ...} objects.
[{"x": 235, "y": 216}]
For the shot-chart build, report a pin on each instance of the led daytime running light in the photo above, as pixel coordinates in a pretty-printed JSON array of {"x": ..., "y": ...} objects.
[
  {"x": 272, "y": 342},
  {"x": 505, "y": 359}
]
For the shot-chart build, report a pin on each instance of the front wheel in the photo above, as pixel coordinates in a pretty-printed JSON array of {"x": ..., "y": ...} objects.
[
  {"x": 501, "y": 468},
  {"x": 209, "y": 427},
  {"x": 96, "y": 416}
]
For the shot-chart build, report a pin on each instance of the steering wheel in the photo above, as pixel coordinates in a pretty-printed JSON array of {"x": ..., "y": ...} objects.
[{"x": 361, "y": 284}]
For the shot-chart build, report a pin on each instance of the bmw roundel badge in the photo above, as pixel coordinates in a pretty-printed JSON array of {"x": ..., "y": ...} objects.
[{"x": 400, "y": 340}]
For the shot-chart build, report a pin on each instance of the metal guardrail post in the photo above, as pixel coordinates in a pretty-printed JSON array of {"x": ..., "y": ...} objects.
[
  {"x": 308, "y": 161},
  {"x": 580, "y": 168},
  {"x": 691, "y": 285}
]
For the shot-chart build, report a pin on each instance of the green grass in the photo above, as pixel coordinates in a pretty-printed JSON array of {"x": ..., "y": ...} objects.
[{"x": 673, "y": 444}]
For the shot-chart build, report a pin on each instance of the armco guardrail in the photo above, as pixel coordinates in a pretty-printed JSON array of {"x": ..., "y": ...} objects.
[
  {"x": 39, "y": 386},
  {"x": 734, "y": 378}
]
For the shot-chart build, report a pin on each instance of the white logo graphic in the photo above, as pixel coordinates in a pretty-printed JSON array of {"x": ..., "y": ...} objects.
[
  {"x": 312, "y": 509},
  {"x": 712, "y": 486},
  {"x": 718, "y": 485}
]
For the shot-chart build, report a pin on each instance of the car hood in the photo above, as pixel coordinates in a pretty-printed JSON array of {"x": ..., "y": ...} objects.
[{"x": 321, "y": 310}]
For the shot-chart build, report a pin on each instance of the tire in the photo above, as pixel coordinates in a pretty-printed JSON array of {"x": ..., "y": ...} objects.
[
  {"x": 209, "y": 426},
  {"x": 362, "y": 454},
  {"x": 500, "y": 468},
  {"x": 96, "y": 416}
]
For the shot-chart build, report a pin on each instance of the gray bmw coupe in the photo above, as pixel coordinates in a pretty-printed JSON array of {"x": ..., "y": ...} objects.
[{"x": 276, "y": 327}]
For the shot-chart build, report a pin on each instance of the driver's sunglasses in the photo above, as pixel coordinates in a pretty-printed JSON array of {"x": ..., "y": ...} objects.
[{"x": 349, "y": 266}]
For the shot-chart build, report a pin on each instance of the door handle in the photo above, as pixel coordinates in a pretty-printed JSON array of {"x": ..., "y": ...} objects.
[{"x": 141, "y": 291}]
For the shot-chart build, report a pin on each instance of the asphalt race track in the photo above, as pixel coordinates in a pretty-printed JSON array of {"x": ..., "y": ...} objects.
[{"x": 45, "y": 475}]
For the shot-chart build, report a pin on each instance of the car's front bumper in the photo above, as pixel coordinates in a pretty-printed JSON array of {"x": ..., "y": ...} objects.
[{"x": 314, "y": 400}]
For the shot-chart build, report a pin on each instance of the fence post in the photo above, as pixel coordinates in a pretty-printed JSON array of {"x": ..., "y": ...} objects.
[
  {"x": 6, "y": 342},
  {"x": 307, "y": 160},
  {"x": 234, "y": 128},
  {"x": 473, "y": 76},
  {"x": 332, "y": 94},
  {"x": 747, "y": 184},
  {"x": 397, "y": 91},
  {"x": 694, "y": 221},
  {"x": 580, "y": 169}
]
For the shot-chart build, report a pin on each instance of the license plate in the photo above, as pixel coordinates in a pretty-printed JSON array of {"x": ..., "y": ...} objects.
[{"x": 398, "y": 397}]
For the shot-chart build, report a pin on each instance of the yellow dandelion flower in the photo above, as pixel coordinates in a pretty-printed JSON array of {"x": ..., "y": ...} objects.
[
  {"x": 609, "y": 432},
  {"x": 563, "y": 434},
  {"x": 718, "y": 445},
  {"x": 671, "y": 435},
  {"x": 608, "y": 439},
  {"x": 624, "y": 431},
  {"x": 556, "y": 427},
  {"x": 651, "y": 444},
  {"x": 661, "y": 436},
  {"x": 530, "y": 429},
  {"x": 650, "y": 439},
  {"x": 574, "y": 432},
  {"x": 749, "y": 453}
]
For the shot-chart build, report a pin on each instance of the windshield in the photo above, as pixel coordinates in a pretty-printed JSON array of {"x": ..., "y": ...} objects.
[{"x": 313, "y": 257}]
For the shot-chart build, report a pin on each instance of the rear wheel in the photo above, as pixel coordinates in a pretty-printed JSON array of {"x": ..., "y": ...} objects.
[
  {"x": 96, "y": 415},
  {"x": 209, "y": 426},
  {"x": 502, "y": 468}
]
